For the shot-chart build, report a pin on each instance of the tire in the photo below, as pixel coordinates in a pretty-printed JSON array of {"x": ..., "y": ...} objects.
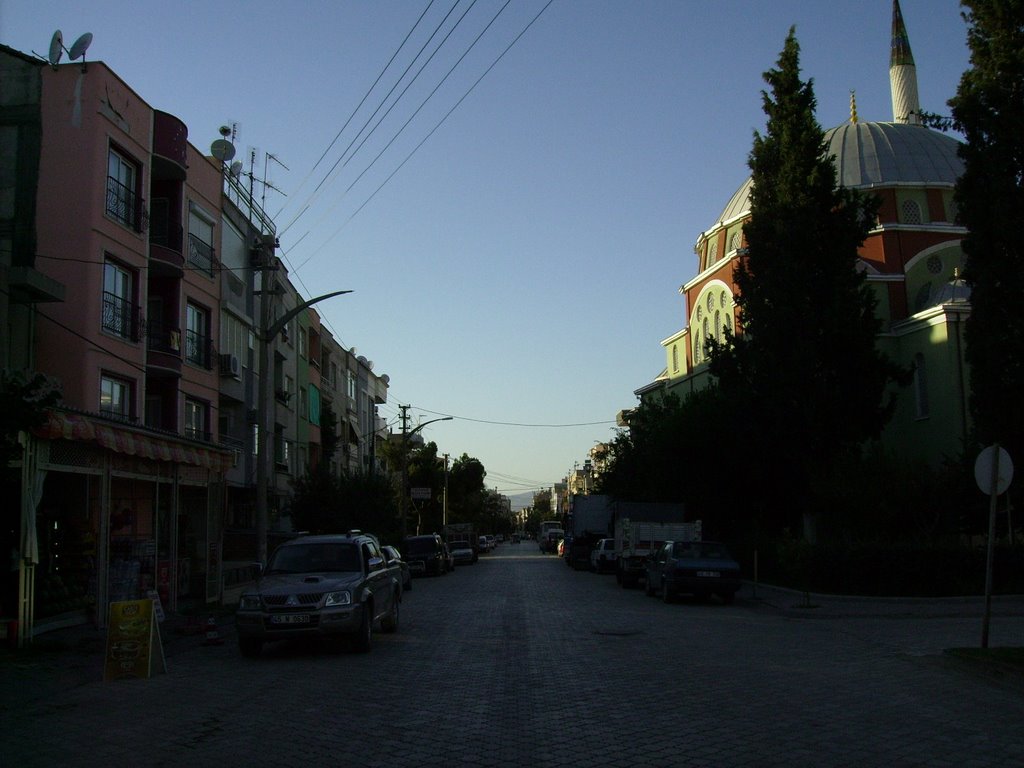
[
  {"x": 362, "y": 642},
  {"x": 389, "y": 623},
  {"x": 250, "y": 647}
]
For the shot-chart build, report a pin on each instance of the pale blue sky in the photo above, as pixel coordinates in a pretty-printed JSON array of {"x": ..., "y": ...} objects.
[{"x": 520, "y": 269}]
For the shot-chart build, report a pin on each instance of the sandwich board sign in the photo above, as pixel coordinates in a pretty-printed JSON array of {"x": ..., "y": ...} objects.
[{"x": 134, "y": 648}]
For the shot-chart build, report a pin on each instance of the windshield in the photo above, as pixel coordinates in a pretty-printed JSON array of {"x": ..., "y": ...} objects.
[
  {"x": 319, "y": 557},
  {"x": 699, "y": 549}
]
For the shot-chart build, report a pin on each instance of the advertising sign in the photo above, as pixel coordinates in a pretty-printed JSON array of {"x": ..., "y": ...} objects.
[{"x": 133, "y": 641}]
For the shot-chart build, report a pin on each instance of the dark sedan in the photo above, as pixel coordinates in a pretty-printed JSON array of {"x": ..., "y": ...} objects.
[{"x": 698, "y": 568}]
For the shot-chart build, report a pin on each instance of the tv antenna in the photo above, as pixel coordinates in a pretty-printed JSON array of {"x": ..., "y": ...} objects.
[{"x": 76, "y": 51}]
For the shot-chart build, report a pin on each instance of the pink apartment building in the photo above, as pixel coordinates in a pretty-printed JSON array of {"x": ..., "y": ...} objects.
[{"x": 128, "y": 219}]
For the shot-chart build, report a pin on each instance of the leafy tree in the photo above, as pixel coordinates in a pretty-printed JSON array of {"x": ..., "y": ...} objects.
[
  {"x": 805, "y": 373},
  {"x": 466, "y": 491},
  {"x": 324, "y": 503},
  {"x": 988, "y": 110},
  {"x": 24, "y": 399},
  {"x": 426, "y": 470}
]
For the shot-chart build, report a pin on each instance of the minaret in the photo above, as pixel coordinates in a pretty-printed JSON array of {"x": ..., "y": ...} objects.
[{"x": 906, "y": 108}]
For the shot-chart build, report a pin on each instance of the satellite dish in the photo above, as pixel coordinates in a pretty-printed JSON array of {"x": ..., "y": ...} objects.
[
  {"x": 80, "y": 46},
  {"x": 223, "y": 150},
  {"x": 56, "y": 48},
  {"x": 235, "y": 169}
]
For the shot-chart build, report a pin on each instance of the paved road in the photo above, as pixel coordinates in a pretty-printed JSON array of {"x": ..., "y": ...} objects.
[{"x": 520, "y": 661}]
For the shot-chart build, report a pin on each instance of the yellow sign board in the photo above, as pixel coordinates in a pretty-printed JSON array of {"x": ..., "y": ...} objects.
[{"x": 133, "y": 641}]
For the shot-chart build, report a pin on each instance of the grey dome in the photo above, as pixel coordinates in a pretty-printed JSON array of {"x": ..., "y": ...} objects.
[{"x": 878, "y": 154}]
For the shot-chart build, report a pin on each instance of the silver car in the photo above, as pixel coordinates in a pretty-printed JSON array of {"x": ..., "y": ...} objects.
[{"x": 321, "y": 586}]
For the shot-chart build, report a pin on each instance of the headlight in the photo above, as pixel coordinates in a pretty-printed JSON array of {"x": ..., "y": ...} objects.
[
  {"x": 337, "y": 598},
  {"x": 249, "y": 603}
]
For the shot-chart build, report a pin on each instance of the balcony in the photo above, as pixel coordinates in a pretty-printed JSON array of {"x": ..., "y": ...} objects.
[
  {"x": 121, "y": 317},
  {"x": 170, "y": 142},
  {"x": 125, "y": 206},
  {"x": 200, "y": 255},
  {"x": 199, "y": 349},
  {"x": 163, "y": 343},
  {"x": 165, "y": 239}
]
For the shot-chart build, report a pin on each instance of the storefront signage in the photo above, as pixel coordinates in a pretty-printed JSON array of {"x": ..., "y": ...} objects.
[{"x": 134, "y": 649}]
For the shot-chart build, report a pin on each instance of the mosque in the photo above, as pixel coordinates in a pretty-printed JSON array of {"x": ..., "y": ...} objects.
[{"x": 912, "y": 258}]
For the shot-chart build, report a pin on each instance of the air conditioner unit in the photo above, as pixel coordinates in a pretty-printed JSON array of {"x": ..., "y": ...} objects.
[{"x": 230, "y": 366}]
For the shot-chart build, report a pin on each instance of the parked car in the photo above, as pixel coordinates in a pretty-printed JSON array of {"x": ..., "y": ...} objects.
[
  {"x": 699, "y": 568},
  {"x": 394, "y": 557},
  {"x": 425, "y": 555},
  {"x": 320, "y": 586},
  {"x": 602, "y": 556},
  {"x": 483, "y": 544},
  {"x": 463, "y": 552},
  {"x": 491, "y": 542},
  {"x": 449, "y": 558}
]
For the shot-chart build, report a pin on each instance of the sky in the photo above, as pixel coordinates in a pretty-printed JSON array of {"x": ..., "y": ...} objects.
[{"x": 518, "y": 213}]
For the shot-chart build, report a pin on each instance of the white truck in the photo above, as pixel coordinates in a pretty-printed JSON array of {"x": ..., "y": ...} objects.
[{"x": 640, "y": 530}]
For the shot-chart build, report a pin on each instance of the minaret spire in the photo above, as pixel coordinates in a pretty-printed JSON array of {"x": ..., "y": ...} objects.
[{"x": 906, "y": 108}]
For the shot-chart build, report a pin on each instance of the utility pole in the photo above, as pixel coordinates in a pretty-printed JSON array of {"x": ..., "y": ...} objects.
[
  {"x": 268, "y": 331},
  {"x": 444, "y": 501},
  {"x": 403, "y": 502}
]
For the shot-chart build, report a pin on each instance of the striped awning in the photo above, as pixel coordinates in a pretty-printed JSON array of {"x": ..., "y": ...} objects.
[{"x": 61, "y": 425}]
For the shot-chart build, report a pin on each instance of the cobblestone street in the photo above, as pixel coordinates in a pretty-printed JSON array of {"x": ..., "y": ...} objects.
[{"x": 519, "y": 660}]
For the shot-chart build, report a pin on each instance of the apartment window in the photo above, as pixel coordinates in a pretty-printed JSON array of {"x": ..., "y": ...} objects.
[
  {"x": 303, "y": 404},
  {"x": 197, "y": 335},
  {"x": 123, "y": 202},
  {"x": 200, "y": 241},
  {"x": 196, "y": 413},
  {"x": 351, "y": 384},
  {"x": 302, "y": 342},
  {"x": 119, "y": 311},
  {"x": 116, "y": 397}
]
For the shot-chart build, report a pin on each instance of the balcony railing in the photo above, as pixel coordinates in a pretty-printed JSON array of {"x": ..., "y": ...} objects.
[
  {"x": 125, "y": 206},
  {"x": 200, "y": 255},
  {"x": 199, "y": 349},
  {"x": 121, "y": 317},
  {"x": 161, "y": 337},
  {"x": 163, "y": 231}
]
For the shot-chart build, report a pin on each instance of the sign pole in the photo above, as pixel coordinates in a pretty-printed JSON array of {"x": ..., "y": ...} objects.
[{"x": 993, "y": 501}]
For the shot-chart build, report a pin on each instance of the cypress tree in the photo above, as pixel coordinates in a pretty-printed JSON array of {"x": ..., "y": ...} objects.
[
  {"x": 804, "y": 368},
  {"x": 989, "y": 111}
]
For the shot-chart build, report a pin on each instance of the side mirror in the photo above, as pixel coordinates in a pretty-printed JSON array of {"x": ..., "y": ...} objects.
[{"x": 374, "y": 564}]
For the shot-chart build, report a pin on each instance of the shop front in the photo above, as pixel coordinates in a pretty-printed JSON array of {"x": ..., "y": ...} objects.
[{"x": 112, "y": 513}]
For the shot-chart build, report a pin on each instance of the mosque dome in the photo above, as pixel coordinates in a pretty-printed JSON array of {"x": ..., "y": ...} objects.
[{"x": 869, "y": 155}]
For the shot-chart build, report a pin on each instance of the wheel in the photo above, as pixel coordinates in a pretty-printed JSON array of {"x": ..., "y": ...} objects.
[
  {"x": 666, "y": 593},
  {"x": 250, "y": 647},
  {"x": 389, "y": 623},
  {"x": 363, "y": 640}
]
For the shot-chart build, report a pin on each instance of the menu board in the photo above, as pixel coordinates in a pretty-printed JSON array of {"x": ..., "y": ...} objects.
[{"x": 133, "y": 641}]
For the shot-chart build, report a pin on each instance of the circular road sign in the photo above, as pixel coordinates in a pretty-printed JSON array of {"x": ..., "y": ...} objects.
[{"x": 983, "y": 470}]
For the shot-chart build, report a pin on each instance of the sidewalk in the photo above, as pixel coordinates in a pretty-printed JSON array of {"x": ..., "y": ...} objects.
[{"x": 803, "y": 605}]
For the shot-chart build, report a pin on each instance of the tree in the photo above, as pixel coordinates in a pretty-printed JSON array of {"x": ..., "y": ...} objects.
[
  {"x": 466, "y": 491},
  {"x": 23, "y": 402},
  {"x": 988, "y": 110},
  {"x": 325, "y": 503},
  {"x": 804, "y": 372}
]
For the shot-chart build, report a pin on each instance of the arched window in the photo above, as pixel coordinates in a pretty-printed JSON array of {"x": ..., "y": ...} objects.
[
  {"x": 921, "y": 386},
  {"x": 675, "y": 358}
]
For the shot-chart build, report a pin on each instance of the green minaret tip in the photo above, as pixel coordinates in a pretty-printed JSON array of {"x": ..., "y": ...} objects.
[{"x": 900, "y": 42}]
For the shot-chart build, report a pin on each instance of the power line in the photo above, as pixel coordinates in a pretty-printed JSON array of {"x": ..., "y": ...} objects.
[{"x": 515, "y": 423}]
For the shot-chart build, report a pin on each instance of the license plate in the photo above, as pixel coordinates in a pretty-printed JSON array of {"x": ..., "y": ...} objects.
[
  {"x": 296, "y": 618},
  {"x": 709, "y": 574}
]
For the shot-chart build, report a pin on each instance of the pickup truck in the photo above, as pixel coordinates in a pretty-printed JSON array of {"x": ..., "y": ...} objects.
[
  {"x": 602, "y": 557},
  {"x": 637, "y": 540}
]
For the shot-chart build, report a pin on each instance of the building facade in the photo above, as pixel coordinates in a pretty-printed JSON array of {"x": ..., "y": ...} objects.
[{"x": 912, "y": 260}]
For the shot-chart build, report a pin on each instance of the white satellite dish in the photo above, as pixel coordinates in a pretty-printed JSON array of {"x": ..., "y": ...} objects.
[
  {"x": 80, "y": 46},
  {"x": 56, "y": 48},
  {"x": 223, "y": 150},
  {"x": 235, "y": 169}
]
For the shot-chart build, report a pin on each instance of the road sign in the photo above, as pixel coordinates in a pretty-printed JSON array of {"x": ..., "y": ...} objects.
[{"x": 983, "y": 470}]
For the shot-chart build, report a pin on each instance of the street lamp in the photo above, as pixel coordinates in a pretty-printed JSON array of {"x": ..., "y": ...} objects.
[
  {"x": 268, "y": 332},
  {"x": 406, "y": 436}
]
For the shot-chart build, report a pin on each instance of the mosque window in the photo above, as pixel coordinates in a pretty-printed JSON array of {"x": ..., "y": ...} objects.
[
  {"x": 735, "y": 241},
  {"x": 911, "y": 212},
  {"x": 721, "y": 299},
  {"x": 713, "y": 252},
  {"x": 934, "y": 264},
  {"x": 675, "y": 358},
  {"x": 920, "y": 386},
  {"x": 718, "y": 326}
]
